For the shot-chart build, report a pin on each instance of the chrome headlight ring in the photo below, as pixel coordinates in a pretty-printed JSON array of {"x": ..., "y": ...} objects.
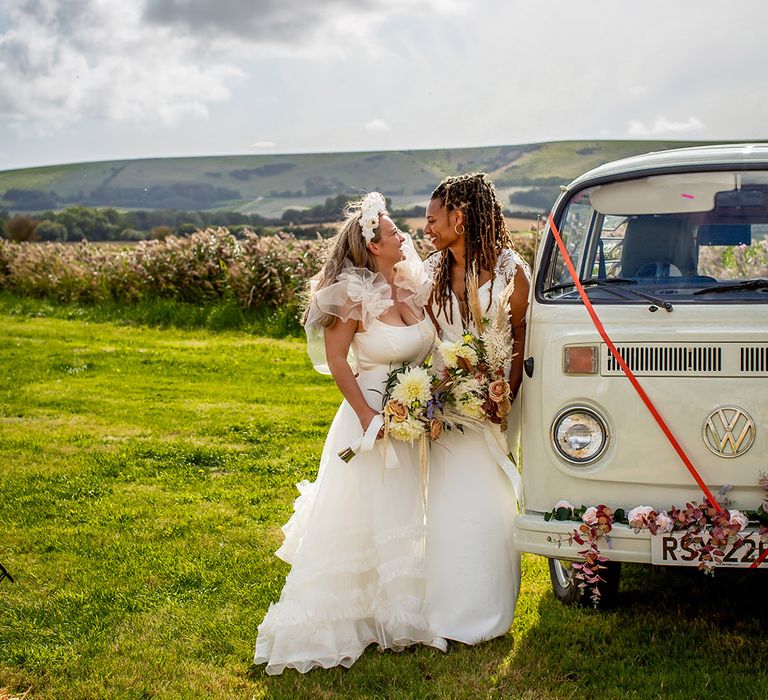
[{"x": 579, "y": 435}]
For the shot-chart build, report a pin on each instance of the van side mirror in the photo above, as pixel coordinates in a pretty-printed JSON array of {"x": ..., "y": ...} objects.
[{"x": 528, "y": 366}]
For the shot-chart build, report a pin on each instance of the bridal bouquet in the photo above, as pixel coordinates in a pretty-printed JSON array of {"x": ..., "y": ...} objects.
[
  {"x": 412, "y": 406},
  {"x": 473, "y": 385}
]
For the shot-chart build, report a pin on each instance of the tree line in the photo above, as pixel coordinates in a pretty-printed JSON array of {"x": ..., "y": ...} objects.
[{"x": 76, "y": 223}]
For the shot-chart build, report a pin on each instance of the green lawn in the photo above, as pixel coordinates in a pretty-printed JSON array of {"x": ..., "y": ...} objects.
[{"x": 144, "y": 476}]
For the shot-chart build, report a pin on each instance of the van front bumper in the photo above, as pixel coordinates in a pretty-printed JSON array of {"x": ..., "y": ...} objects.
[{"x": 533, "y": 534}]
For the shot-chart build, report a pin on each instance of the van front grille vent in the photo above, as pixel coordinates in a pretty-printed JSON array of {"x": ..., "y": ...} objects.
[
  {"x": 726, "y": 359},
  {"x": 754, "y": 358},
  {"x": 652, "y": 359}
]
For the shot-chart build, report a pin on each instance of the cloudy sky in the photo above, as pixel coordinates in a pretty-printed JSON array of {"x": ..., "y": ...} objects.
[{"x": 103, "y": 79}]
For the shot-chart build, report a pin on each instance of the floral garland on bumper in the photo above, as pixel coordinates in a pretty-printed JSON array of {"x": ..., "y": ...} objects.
[{"x": 694, "y": 519}]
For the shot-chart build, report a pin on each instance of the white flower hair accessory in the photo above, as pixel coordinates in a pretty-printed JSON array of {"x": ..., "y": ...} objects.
[{"x": 373, "y": 206}]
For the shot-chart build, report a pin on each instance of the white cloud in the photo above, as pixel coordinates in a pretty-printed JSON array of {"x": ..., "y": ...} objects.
[
  {"x": 377, "y": 126},
  {"x": 309, "y": 76},
  {"x": 165, "y": 61},
  {"x": 65, "y": 60},
  {"x": 263, "y": 144},
  {"x": 662, "y": 126}
]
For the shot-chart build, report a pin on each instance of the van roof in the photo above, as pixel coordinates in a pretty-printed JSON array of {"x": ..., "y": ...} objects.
[{"x": 679, "y": 159}]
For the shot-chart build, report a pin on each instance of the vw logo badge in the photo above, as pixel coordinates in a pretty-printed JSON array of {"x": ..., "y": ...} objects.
[{"x": 729, "y": 431}]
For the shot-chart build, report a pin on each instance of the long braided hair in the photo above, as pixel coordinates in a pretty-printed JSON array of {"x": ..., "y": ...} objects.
[{"x": 485, "y": 232}]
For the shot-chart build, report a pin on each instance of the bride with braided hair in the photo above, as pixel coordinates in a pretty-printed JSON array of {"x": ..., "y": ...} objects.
[
  {"x": 357, "y": 536},
  {"x": 473, "y": 569}
]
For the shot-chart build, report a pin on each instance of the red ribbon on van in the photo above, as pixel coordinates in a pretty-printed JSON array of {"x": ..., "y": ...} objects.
[{"x": 627, "y": 371}]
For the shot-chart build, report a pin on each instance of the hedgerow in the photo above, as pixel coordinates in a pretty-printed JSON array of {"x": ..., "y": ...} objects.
[{"x": 267, "y": 272}]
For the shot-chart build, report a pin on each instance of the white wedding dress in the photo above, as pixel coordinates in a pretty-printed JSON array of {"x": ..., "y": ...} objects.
[
  {"x": 473, "y": 569},
  {"x": 356, "y": 539}
]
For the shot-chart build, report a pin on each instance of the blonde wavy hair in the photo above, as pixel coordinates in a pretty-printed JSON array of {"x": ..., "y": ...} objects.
[{"x": 347, "y": 244}]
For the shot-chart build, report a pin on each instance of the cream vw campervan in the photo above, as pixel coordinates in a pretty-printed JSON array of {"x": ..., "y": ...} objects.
[{"x": 672, "y": 252}]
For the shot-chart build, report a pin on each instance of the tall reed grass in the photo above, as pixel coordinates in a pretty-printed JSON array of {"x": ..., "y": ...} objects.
[
  {"x": 210, "y": 278},
  {"x": 206, "y": 266}
]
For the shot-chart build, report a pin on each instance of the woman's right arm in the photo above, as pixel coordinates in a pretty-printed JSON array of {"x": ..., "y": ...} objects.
[
  {"x": 518, "y": 306},
  {"x": 338, "y": 339}
]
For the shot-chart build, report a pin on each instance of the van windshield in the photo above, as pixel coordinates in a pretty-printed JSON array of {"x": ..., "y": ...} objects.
[{"x": 669, "y": 235}]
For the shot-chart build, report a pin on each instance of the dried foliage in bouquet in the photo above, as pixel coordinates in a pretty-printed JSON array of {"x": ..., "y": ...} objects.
[{"x": 473, "y": 370}]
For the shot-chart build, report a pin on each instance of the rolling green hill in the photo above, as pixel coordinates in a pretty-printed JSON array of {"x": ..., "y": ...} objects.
[{"x": 269, "y": 184}]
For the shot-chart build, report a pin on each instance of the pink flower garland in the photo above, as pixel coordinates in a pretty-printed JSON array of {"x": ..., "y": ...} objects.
[{"x": 694, "y": 519}]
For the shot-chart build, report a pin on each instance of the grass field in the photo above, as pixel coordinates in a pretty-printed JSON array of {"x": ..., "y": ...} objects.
[{"x": 144, "y": 477}]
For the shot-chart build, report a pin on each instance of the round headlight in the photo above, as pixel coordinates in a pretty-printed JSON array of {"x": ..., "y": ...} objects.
[{"x": 580, "y": 435}]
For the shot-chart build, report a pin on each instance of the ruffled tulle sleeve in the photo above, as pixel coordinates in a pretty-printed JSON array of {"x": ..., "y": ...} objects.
[
  {"x": 413, "y": 284},
  {"x": 357, "y": 294}
]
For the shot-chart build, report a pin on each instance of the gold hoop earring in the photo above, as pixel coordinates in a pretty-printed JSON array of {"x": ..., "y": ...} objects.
[{"x": 456, "y": 229}]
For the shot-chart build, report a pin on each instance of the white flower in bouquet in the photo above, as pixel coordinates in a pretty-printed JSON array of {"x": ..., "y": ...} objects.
[
  {"x": 471, "y": 407},
  {"x": 406, "y": 431},
  {"x": 590, "y": 516},
  {"x": 663, "y": 522},
  {"x": 563, "y": 504},
  {"x": 413, "y": 385},
  {"x": 447, "y": 350},
  {"x": 736, "y": 517},
  {"x": 468, "y": 398},
  {"x": 466, "y": 387},
  {"x": 450, "y": 352},
  {"x": 467, "y": 353},
  {"x": 638, "y": 517}
]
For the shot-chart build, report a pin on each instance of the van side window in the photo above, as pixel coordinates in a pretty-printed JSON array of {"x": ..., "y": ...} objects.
[{"x": 574, "y": 231}]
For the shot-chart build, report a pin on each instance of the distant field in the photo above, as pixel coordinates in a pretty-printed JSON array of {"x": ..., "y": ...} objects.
[
  {"x": 270, "y": 184},
  {"x": 568, "y": 159}
]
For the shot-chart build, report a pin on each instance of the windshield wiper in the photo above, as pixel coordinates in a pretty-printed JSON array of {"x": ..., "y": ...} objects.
[
  {"x": 606, "y": 284},
  {"x": 590, "y": 283},
  {"x": 759, "y": 283}
]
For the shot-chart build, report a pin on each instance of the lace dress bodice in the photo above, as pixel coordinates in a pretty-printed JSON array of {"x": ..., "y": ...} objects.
[{"x": 450, "y": 322}]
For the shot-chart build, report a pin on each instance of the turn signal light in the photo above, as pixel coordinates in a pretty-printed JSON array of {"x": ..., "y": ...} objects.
[{"x": 580, "y": 359}]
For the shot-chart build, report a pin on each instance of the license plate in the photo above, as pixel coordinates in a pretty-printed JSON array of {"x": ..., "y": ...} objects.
[{"x": 667, "y": 549}]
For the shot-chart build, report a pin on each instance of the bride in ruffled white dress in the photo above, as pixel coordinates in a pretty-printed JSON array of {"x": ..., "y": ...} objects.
[
  {"x": 473, "y": 569},
  {"x": 356, "y": 540}
]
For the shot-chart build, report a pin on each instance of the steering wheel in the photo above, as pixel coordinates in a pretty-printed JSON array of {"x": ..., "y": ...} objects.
[{"x": 658, "y": 269}]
